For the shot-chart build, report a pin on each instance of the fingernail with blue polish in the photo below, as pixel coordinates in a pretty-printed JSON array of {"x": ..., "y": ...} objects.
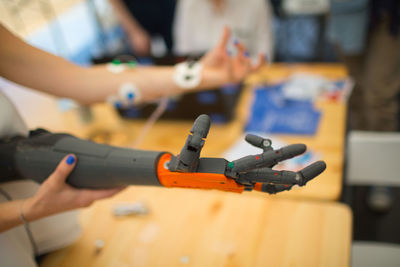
[
  {"x": 246, "y": 54},
  {"x": 70, "y": 160},
  {"x": 235, "y": 42},
  {"x": 130, "y": 95}
]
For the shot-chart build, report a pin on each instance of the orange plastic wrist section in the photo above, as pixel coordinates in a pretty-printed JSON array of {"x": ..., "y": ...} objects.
[{"x": 194, "y": 180}]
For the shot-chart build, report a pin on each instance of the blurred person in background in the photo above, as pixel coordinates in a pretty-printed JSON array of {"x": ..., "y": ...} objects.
[
  {"x": 142, "y": 20},
  {"x": 367, "y": 35},
  {"x": 198, "y": 23}
]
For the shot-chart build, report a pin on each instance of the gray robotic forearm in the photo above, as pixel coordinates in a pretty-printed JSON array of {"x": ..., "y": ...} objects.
[
  {"x": 103, "y": 166},
  {"x": 99, "y": 166}
]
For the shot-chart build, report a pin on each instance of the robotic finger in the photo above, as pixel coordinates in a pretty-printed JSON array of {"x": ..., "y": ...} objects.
[
  {"x": 258, "y": 141},
  {"x": 267, "y": 175},
  {"x": 266, "y": 159},
  {"x": 188, "y": 159}
]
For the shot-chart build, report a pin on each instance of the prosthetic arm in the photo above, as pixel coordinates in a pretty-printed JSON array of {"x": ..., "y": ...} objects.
[{"x": 103, "y": 166}]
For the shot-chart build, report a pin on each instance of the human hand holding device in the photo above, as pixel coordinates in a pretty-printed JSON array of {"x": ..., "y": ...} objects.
[{"x": 55, "y": 195}]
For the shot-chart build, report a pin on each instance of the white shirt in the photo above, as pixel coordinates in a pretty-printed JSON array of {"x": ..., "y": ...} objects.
[{"x": 198, "y": 27}]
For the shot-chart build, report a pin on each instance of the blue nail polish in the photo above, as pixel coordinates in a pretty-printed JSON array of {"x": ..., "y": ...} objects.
[
  {"x": 235, "y": 42},
  {"x": 70, "y": 160},
  {"x": 246, "y": 54},
  {"x": 130, "y": 95}
]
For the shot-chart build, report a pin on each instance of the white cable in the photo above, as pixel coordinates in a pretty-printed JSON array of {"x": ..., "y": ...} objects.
[
  {"x": 187, "y": 75},
  {"x": 162, "y": 106}
]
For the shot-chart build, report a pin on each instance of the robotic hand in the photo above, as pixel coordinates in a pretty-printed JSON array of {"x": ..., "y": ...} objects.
[
  {"x": 247, "y": 173},
  {"x": 102, "y": 166}
]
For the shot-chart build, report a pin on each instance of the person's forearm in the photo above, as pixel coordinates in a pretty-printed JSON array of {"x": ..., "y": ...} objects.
[
  {"x": 13, "y": 213},
  {"x": 98, "y": 83},
  {"x": 10, "y": 214},
  {"x": 42, "y": 71},
  {"x": 34, "y": 68},
  {"x": 155, "y": 82}
]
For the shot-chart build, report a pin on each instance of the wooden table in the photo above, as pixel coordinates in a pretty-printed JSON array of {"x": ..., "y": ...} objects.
[
  {"x": 212, "y": 228},
  {"x": 188, "y": 227}
]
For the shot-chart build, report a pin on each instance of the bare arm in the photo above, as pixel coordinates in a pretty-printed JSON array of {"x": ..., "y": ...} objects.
[
  {"x": 129, "y": 23},
  {"x": 138, "y": 37},
  {"x": 9, "y": 214},
  {"x": 42, "y": 71}
]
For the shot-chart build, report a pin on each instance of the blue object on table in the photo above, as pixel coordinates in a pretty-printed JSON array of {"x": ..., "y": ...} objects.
[
  {"x": 207, "y": 98},
  {"x": 230, "y": 89},
  {"x": 272, "y": 113}
]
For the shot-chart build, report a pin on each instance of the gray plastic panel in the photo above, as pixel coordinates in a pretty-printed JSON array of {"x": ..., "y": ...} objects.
[
  {"x": 98, "y": 166},
  {"x": 82, "y": 147},
  {"x": 212, "y": 165}
]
